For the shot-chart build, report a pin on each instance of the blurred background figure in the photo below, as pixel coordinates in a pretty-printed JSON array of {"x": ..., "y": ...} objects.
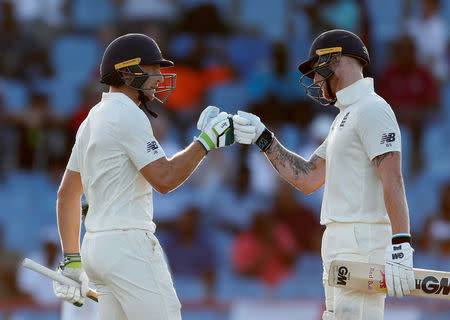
[
  {"x": 430, "y": 34},
  {"x": 9, "y": 262},
  {"x": 266, "y": 251},
  {"x": 191, "y": 252},
  {"x": 436, "y": 234},
  {"x": 410, "y": 88},
  {"x": 38, "y": 287}
]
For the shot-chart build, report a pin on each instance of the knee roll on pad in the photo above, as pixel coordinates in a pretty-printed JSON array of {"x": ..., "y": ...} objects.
[{"x": 328, "y": 315}]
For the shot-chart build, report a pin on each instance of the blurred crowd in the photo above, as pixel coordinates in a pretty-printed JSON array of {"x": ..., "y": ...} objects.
[{"x": 235, "y": 218}]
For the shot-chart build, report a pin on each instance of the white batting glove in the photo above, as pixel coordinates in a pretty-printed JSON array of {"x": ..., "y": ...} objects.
[
  {"x": 71, "y": 267},
  {"x": 248, "y": 129},
  {"x": 399, "y": 269},
  {"x": 217, "y": 129}
]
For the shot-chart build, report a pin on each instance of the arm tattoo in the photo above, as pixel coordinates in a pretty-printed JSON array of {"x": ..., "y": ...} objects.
[
  {"x": 377, "y": 160},
  {"x": 286, "y": 159}
]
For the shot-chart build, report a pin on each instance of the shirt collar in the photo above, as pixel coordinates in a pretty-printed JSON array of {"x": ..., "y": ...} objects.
[
  {"x": 351, "y": 94},
  {"x": 118, "y": 96}
]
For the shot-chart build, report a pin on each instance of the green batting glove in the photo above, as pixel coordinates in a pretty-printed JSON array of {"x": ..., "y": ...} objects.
[{"x": 217, "y": 129}]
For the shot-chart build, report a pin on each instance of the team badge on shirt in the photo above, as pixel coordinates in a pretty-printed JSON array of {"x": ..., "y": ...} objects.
[
  {"x": 388, "y": 138},
  {"x": 152, "y": 146},
  {"x": 344, "y": 120}
]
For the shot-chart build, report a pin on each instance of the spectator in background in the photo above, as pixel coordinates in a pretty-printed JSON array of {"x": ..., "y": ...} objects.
[
  {"x": 91, "y": 93},
  {"x": 11, "y": 54},
  {"x": 336, "y": 14},
  {"x": 50, "y": 12},
  {"x": 411, "y": 91},
  {"x": 197, "y": 71},
  {"x": 37, "y": 23},
  {"x": 301, "y": 221},
  {"x": 266, "y": 251},
  {"x": 43, "y": 144},
  {"x": 143, "y": 10},
  {"x": 430, "y": 34},
  {"x": 202, "y": 19},
  {"x": 3, "y": 141},
  {"x": 436, "y": 235},
  {"x": 38, "y": 287},
  {"x": 9, "y": 263},
  {"x": 275, "y": 78},
  {"x": 241, "y": 200},
  {"x": 191, "y": 87},
  {"x": 189, "y": 249}
]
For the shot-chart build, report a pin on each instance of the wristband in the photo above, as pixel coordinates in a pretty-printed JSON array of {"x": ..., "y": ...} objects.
[
  {"x": 265, "y": 140},
  {"x": 401, "y": 238},
  {"x": 73, "y": 258}
]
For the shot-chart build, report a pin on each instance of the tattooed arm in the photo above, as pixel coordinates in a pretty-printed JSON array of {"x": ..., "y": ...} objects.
[
  {"x": 305, "y": 175},
  {"x": 388, "y": 169}
]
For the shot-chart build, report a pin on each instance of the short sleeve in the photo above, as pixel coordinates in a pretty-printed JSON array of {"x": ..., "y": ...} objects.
[
  {"x": 378, "y": 130},
  {"x": 321, "y": 151},
  {"x": 73, "y": 163},
  {"x": 137, "y": 140}
]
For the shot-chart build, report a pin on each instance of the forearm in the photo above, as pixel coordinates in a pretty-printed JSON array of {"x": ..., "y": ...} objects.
[
  {"x": 396, "y": 205},
  {"x": 183, "y": 164},
  {"x": 299, "y": 172},
  {"x": 69, "y": 223},
  {"x": 388, "y": 168}
]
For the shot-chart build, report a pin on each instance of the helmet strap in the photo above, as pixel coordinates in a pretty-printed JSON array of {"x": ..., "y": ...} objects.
[
  {"x": 145, "y": 104},
  {"x": 330, "y": 92}
]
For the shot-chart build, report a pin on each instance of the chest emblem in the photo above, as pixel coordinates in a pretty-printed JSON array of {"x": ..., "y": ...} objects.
[{"x": 344, "y": 120}]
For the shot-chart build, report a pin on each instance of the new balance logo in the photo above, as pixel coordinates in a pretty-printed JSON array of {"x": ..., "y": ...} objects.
[
  {"x": 344, "y": 120},
  {"x": 387, "y": 138},
  {"x": 152, "y": 146}
]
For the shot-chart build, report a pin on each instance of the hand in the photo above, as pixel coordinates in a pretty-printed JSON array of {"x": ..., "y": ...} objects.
[
  {"x": 399, "y": 269},
  {"x": 71, "y": 267},
  {"x": 217, "y": 129},
  {"x": 248, "y": 129}
]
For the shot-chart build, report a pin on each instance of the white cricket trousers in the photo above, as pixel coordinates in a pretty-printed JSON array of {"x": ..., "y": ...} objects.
[
  {"x": 131, "y": 276},
  {"x": 359, "y": 242}
]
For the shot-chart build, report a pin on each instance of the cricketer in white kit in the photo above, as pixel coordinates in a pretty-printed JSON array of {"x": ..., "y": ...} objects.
[
  {"x": 364, "y": 200},
  {"x": 116, "y": 162}
]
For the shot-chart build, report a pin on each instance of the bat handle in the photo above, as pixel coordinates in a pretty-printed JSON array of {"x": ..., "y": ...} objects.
[{"x": 92, "y": 294}]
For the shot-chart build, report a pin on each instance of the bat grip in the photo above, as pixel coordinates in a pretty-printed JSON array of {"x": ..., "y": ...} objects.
[{"x": 32, "y": 265}]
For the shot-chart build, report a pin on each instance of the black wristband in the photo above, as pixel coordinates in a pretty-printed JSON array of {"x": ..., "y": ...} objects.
[
  {"x": 265, "y": 140},
  {"x": 401, "y": 238}
]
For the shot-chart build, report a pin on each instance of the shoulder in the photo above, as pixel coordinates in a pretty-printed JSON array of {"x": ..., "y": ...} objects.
[
  {"x": 131, "y": 116},
  {"x": 373, "y": 104}
]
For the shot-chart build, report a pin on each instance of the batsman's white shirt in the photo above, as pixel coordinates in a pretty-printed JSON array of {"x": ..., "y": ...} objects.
[
  {"x": 112, "y": 144},
  {"x": 353, "y": 208},
  {"x": 365, "y": 128}
]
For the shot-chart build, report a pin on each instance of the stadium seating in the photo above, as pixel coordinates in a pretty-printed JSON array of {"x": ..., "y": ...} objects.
[
  {"x": 34, "y": 315},
  {"x": 230, "y": 96},
  {"x": 247, "y": 52},
  {"x": 270, "y": 18},
  {"x": 85, "y": 16},
  {"x": 75, "y": 57},
  {"x": 15, "y": 94}
]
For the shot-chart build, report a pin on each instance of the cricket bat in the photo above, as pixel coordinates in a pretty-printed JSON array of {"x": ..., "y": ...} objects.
[
  {"x": 32, "y": 265},
  {"x": 368, "y": 277}
]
